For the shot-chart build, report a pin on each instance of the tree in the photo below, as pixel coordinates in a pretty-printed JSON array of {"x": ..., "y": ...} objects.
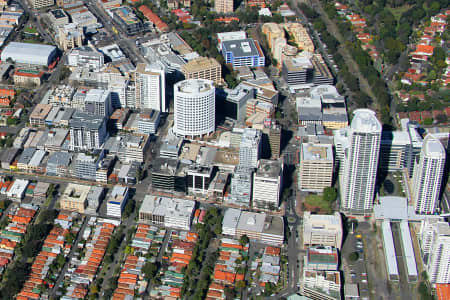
[
  {"x": 129, "y": 208},
  {"x": 70, "y": 237},
  {"x": 218, "y": 230},
  {"x": 424, "y": 291},
  {"x": 329, "y": 194},
  {"x": 269, "y": 289},
  {"x": 243, "y": 240},
  {"x": 441, "y": 118},
  {"x": 149, "y": 270},
  {"x": 353, "y": 256},
  {"x": 129, "y": 250},
  {"x": 241, "y": 284}
]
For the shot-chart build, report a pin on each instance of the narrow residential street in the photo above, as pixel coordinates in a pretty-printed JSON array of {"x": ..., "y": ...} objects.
[{"x": 74, "y": 249}]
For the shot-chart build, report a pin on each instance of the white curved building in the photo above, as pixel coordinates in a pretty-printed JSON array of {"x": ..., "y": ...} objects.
[
  {"x": 26, "y": 53},
  {"x": 195, "y": 106},
  {"x": 428, "y": 173}
]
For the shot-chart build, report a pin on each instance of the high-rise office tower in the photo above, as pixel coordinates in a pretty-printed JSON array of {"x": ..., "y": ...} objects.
[
  {"x": 195, "y": 107},
  {"x": 150, "y": 87},
  {"x": 428, "y": 172},
  {"x": 361, "y": 163}
]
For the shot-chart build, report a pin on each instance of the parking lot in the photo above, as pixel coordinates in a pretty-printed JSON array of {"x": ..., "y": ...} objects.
[{"x": 355, "y": 270}]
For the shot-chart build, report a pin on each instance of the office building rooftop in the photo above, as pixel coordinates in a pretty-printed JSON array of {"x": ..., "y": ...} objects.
[
  {"x": 316, "y": 152},
  {"x": 269, "y": 168}
]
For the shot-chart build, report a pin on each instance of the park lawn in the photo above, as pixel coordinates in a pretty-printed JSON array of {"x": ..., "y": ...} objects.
[
  {"x": 318, "y": 202},
  {"x": 398, "y": 11},
  {"x": 30, "y": 30}
]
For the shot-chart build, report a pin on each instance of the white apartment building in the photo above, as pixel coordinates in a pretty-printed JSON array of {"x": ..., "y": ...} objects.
[
  {"x": 86, "y": 57},
  {"x": 117, "y": 201},
  {"x": 267, "y": 185},
  {"x": 17, "y": 189},
  {"x": 361, "y": 163},
  {"x": 150, "y": 91},
  {"x": 435, "y": 246},
  {"x": 321, "y": 285},
  {"x": 316, "y": 167},
  {"x": 167, "y": 212},
  {"x": 118, "y": 88},
  {"x": 324, "y": 230},
  {"x": 148, "y": 121},
  {"x": 250, "y": 148},
  {"x": 428, "y": 173},
  {"x": 195, "y": 107},
  {"x": 87, "y": 132}
]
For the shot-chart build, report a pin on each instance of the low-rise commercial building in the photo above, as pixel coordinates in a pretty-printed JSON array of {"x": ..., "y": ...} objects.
[
  {"x": 168, "y": 175},
  {"x": 17, "y": 189},
  {"x": 322, "y": 230},
  {"x": 246, "y": 52},
  {"x": 8, "y": 156},
  {"x": 39, "y": 113},
  {"x": 128, "y": 148},
  {"x": 261, "y": 227},
  {"x": 256, "y": 226},
  {"x": 58, "y": 164},
  {"x": 198, "y": 178},
  {"x": 230, "y": 221},
  {"x": 322, "y": 258},
  {"x": 203, "y": 68},
  {"x": 85, "y": 166},
  {"x": 86, "y": 57},
  {"x": 127, "y": 20},
  {"x": 58, "y": 17},
  {"x": 27, "y": 78},
  {"x": 74, "y": 197},
  {"x": 167, "y": 212},
  {"x": 25, "y": 158}
]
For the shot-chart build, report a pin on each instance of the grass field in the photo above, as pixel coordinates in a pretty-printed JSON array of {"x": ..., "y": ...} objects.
[
  {"x": 30, "y": 30},
  {"x": 317, "y": 201}
]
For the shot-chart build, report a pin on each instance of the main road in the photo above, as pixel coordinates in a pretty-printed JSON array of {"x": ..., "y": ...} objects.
[{"x": 127, "y": 45}]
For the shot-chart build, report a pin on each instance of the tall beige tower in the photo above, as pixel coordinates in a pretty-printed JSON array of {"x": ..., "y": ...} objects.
[{"x": 224, "y": 6}]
